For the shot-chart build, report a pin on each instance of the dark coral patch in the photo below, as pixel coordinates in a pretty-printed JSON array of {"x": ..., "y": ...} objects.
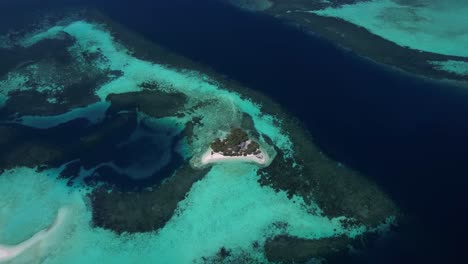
[
  {"x": 287, "y": 249},
  {"x": 146, "y": 210},
  {"x": 99, "y": 143},
  {"x": 17, "y": 57},
  {"x": 58, "y": 82},
  {"x": 337, "y": 190},
  {"x": 34, "y": 103},
  {"x": 116, "y": 179},
  {"x": 77, "y": 139},
  {"x": 71, "y": 172},
  {"x": 188, "y": 132},
  {"x": 25, "y": 146},
  {"x": 151, "y": 102}
]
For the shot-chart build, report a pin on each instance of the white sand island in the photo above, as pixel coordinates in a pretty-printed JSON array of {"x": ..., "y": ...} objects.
[
  {"x": 236, "y": 146},
  {"x": 213, "y": 157},
  {"x": 9, "y": 252}
]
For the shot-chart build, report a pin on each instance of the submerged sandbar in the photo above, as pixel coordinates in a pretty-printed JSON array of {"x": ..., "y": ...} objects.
[{"x": 10, "y": 252}]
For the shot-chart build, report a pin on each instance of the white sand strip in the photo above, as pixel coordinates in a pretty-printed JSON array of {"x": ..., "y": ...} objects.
[
  {"x": 8, "y": 252},
  {"x": 214, "y": 157}
]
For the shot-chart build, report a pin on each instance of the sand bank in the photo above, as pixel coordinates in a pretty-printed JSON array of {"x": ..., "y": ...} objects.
[
  {"x": 213, "y": 157},
  {"x": 8, "y": 252}
]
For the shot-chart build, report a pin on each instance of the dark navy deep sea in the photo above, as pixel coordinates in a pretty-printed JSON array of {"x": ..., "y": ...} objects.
[{"x": 408, "y": 134}]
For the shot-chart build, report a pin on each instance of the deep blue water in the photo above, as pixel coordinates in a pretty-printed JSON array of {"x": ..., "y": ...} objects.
[{"x": 407, "y": 134}]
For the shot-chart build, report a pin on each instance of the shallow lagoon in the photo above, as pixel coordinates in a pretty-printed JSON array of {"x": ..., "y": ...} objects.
[
  {"x": 427, "y": 38},
  {"x": 405, "y": 133},
  {"x": 234, "y": 208}
]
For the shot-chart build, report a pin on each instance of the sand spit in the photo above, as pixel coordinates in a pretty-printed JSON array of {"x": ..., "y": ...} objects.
[
  {"x": 9, "y": 252},
  {"x": 214, "y": 157}
]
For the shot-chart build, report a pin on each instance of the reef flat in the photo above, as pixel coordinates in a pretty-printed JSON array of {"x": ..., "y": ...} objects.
[
  {"x": 427, "y": 38},
  {"x": 99, "y": 122}
]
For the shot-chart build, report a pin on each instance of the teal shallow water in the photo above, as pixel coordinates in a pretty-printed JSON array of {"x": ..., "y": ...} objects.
[
  {"x": 432, "y": 26},
  {"x": 227, "y": 208}
]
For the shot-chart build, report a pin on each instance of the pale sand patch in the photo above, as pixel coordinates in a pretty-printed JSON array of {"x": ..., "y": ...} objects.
[
  {"x": 9, "y": 252},
  {"x": 213, "y": 157}
]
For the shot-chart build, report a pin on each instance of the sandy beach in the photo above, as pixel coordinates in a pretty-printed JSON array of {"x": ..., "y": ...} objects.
[
  {"x": 212, "y": 157},
  {"x": 8, "y": 252}
]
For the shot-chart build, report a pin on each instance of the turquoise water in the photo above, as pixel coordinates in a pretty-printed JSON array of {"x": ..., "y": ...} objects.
[
  {"x": 432, "y": 26},
  {"x": 226, "y": 208},
  {"x": 244, "y": 213}
]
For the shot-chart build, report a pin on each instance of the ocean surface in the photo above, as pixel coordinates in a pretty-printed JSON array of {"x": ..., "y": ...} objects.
[{"x": 406, "y": 133}]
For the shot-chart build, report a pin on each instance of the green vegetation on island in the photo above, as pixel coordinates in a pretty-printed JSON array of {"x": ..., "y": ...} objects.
[{"x": 236, "y": 143}]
